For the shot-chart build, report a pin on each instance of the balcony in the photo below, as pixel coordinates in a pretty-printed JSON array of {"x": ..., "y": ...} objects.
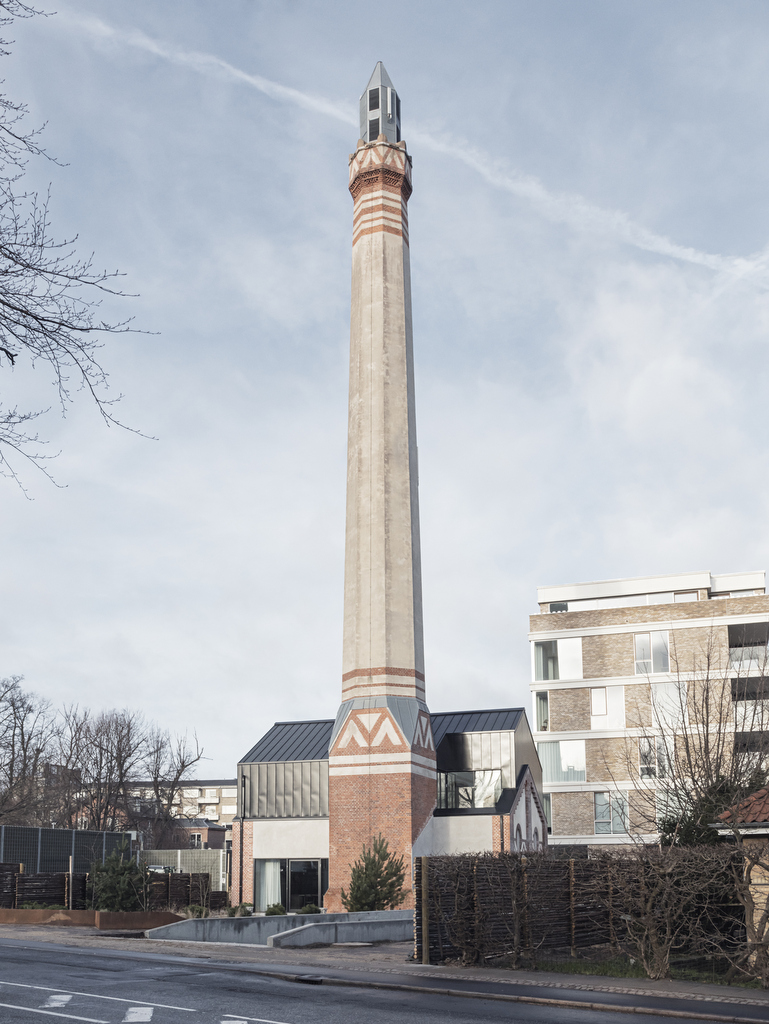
[{"x": 743, "y": 659}]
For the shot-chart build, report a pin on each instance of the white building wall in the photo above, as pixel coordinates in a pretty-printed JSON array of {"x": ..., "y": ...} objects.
[
  {"x": 470, "y": 833},
  {"x": 300, "y": 838}
]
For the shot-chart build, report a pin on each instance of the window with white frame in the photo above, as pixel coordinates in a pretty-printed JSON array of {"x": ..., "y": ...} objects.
[
  {"x": 562, "y": 760},
  {"x": 543, "y": 711},
  {"x": 749, "y": 646},
  {"x": 651, "y": 653},
  {"x": 546, "y": 659},
  {"x": 558, "y": 659},
  {"x": 610, "y": 813},
  {"x": 652, "y": 758}
]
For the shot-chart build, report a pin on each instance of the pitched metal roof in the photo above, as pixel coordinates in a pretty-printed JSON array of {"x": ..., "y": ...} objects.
[
  {"x": 493, "y": 720},
  {"x": 293, "y": 741},
  {"x": 308, "y": 741}
]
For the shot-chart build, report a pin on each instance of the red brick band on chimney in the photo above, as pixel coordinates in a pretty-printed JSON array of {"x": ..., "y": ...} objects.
[{"x": 386, "y": 671}]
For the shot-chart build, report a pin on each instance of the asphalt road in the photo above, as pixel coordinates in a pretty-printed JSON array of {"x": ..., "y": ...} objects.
[{"x": 48, "y": 982}]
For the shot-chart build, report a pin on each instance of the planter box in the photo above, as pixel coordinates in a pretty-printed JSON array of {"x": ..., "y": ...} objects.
[
  {"x": 79, "y": 918},
  {"x": 101, "y": 919}
]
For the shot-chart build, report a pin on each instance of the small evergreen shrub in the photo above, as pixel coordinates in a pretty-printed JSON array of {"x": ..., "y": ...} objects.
[
  {"x": 310, "y": 908},
  {"x": 276, "y": 910},
  {"x": 376, "y": 881},
  {"x": 119, "y": 883}
]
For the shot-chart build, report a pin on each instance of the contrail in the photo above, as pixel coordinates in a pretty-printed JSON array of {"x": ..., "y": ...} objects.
[{"x": 559, "y": 207}]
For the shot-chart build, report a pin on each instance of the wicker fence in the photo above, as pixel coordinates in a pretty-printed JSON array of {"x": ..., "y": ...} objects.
[
  {"x": 650, "y": 903},
  {"x": 494, "y": 904},
  {"x": 166, "y": 892}
]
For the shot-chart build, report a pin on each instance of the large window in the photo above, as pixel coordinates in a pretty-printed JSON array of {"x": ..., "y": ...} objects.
[
  {"x": 610, "y": 813},
  {"x": 652, "y": 758},
  {"x": 558, "y": 659},
  {"x": 546, "y": 660},
  {"x": 466, "y": 790},
  {"x": 748, "y": 645},
  {"x": 562, "y": 760},
  {"x": 293, "y": 883},
  {"x": 751, "y": 703},
  {"x": 651, "y": 653}
]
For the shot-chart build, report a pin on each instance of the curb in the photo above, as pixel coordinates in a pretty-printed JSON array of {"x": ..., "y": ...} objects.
[{"x": 573, "y": 1004}]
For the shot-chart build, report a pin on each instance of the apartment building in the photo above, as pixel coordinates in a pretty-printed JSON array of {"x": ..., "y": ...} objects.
[
  {"x": 606, "y": 657},
  {"x": 213, "y": 799}
]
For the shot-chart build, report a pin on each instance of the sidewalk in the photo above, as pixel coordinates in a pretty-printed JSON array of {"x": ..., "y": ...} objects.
[{"x": 388, "y": 966}]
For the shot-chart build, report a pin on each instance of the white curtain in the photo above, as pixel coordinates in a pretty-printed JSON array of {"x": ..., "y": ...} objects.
[{"x": 266, "y": 883}]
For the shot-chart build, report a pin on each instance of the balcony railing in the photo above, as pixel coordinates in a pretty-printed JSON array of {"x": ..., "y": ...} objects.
[{"x": 746, "y": 658}]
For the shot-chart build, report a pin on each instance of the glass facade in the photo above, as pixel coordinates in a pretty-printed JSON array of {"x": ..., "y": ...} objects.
[
  {"x": 292, "y": 883},
  {"x": 466, "y": 790}
]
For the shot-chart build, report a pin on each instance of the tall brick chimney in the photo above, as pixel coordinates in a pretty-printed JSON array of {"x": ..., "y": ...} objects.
[{"x": 381, "y": 754}]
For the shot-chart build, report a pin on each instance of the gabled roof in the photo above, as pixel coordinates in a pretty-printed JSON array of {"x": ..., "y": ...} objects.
[
  {"x": 293, "y": 741},
  {"x": 753, "y": 810},
  {"x": 308, "y": 741},
  {"x": 494, "y": 720}
]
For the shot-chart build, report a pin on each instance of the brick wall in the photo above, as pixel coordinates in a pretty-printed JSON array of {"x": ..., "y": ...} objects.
[
  {"x": 573, "y": 814},
  {"x": 569, "y": 709},
  {"x": 642, "y": 808},
  {"x": 650, "y": 613},
  {"x": 397, "y": 805},
  {"x": 638, "y": 706},
  {"x": 611, "y": 760},
  {"x": 607, "y": 656},
  {"x": 244, "y": 893},
  {"x": 704, "y": 649}
]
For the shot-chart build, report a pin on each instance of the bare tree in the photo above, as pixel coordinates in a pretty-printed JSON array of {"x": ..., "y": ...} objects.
[
  {"x": 26, "y": 728},
  {"x": 700, "y": 750},
  {"x": 168, "y": 761},
  {"x": 49, "y": 297},
  {"x": 699, "y": 738},
  {"x": 104, "y": 754},
  {"x": 667, "y": 900}
]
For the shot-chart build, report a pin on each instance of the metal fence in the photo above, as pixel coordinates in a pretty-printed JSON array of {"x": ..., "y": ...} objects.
[
  {"x": 212, "y": 862},
  {"x": 49, "y": 849}
]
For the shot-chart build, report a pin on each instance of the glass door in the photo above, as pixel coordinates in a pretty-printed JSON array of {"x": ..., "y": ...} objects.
[{"x": 303, "y": 884}]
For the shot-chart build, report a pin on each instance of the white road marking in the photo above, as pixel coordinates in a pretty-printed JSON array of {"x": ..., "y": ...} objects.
[
  {"x": 138, "y": 1013},
  {"x": 92, "y": 995},
  {"x": 234, "y": 1018},
  {"x": 57, "y": 1000},
  {"x": 51, "y": 1013}
]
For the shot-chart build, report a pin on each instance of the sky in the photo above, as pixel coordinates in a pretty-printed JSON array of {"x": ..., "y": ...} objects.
[{"x": 590, "y": 249}]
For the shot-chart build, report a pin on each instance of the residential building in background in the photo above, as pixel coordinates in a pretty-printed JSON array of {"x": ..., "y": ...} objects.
[
  {"x": 201, "y": 809},
  {"x": 213, "y": 799},
  {"x": 605, "y": 658}
]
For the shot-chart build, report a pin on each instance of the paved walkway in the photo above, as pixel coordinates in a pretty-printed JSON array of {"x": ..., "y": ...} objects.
[{"x": 394, "y": 959}]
